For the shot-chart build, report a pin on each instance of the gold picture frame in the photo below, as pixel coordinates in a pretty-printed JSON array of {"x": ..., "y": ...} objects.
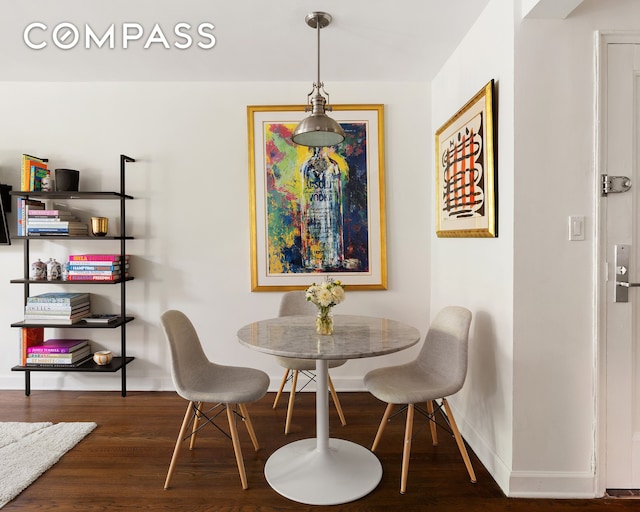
[
  {"x": 466, "y": 192},
  {"x": 280, "y": 213}
]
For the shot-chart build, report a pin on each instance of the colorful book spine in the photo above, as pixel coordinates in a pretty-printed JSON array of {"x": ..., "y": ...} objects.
[
  {"x": 51, "y": 213},
  {"x": 68, "y": 297},
  {"x": 27, "y": 162},
  {"x": 96, "y": 257},
  {"x": 94, "y": 272},
  {"x": 94, "y": 277},
  {"x": 62, "y": 365},
  {"x": 57, "y": 346},
  {"x": 30, "y": 336},
  {"x": 35, "y": 176},
  {"x": 82, "y": 267}
]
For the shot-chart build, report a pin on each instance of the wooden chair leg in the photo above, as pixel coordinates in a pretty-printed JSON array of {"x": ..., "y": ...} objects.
[
  {"x": 247, "y": 420},
  {"x": 284, "y": 381},
  {"x": 432, "y": 423},
  {"x": 196, "y": 422},
  {"x": 459, "y": 441},
  {"x": 292, "y": 398},
  {"x": 236, "y": 446},
  {"x": 406, "y": 452},
  {"x": 174, "y": 458},
  {"x": 336, "y": 401},
  {"x": 383, "y": 424}
]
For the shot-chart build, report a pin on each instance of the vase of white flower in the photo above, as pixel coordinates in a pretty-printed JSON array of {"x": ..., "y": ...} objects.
[
  {"x": 324, "y": 321},
  {"x": 325, "y": 295}
]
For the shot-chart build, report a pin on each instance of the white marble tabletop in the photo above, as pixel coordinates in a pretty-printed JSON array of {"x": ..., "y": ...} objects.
[{"x": 353, "y": 337}]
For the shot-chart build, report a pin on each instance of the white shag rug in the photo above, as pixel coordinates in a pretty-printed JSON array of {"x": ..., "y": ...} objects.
[{"x": 28, "y": 449}]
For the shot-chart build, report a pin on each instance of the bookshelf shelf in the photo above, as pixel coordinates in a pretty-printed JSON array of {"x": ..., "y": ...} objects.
[{"x": 118, "y": 364}]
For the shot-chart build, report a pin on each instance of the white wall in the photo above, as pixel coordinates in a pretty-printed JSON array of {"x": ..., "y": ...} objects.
[
  {"x": 478, "y": 272},
  {"x": 554, "y": 278},
  {"x": 190, "y": 216},
  {"x": 528, "y": 408}
]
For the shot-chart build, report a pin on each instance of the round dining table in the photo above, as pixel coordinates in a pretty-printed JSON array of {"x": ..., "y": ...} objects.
[{"x": 325, "y": 470}]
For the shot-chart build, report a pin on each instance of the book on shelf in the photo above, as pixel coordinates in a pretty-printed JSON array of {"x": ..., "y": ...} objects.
[
  {"x": 101, "y": 318},
  {"x": 94, "y": 272},
  {"x": 29, "y": 336},
  {"x": 71, "y": 310},
  {"x": 57, "y": 346},
  {"x": 81, "y": 267},
  {"x": 55, "y": 307},
  {"x": 51, "y": 214},
  {"x": 23, "y": 207},
  {"x": 66, "y": 297},
  {"x": 37, "y": 172},
  {"x": 25, "y": 176},
  {"x": 94, "y": 277},
  {"x": 62, "y": 319},
  {"x": 96, "y": 257},
  {"x": 70, "y": 358},
  {"x": 55, "y": 364}
]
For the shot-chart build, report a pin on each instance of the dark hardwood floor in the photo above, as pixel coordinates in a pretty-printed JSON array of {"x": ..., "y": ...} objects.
[{"x": 123, "y": 463}]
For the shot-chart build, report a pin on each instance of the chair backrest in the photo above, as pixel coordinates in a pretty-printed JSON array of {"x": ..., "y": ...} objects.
[
  {"x": 296, "y": 303},
  {"x": 446, "y": 345},
  {"x": 187, "y": 355}
]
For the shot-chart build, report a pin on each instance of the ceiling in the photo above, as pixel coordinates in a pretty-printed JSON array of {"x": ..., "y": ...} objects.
[{"x": 256, "y": 40}]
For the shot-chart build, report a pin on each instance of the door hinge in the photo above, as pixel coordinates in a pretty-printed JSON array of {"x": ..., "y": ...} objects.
[{"x": 614, "y": 184}]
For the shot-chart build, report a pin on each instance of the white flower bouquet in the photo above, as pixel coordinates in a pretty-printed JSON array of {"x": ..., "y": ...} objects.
[{"x": 325, "y": 295}]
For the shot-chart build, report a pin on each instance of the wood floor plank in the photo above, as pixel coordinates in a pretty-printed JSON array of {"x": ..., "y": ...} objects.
[{"x": 122, "y": 464}]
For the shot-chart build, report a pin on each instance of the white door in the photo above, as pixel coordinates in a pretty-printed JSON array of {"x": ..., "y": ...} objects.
[{"x": 620, "y": 356}]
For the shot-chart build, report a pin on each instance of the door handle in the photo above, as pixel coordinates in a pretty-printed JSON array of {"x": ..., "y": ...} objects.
[{"x": 621, "y": 266}]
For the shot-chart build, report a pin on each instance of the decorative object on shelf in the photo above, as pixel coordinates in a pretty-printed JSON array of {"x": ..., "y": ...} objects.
[
  {"x": 65, "y": 271},
  {"x": 465, "y": 176},
  {"x": 54, "y": 270},
  {"x": 278, "y": 193},
  {"x": 318, "y": 130},
  {"x": 39, "y": 270},
  {"x": 99, "y": 226},
  {"x": 47, "y": 184},
  {"x": 325, "y": 295},
  {"x": 102, "y": 357},
  {"x": 67, "y": 180}
]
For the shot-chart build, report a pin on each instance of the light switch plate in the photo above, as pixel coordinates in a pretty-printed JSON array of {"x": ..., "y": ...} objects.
[{"x": 576, "y": 227}]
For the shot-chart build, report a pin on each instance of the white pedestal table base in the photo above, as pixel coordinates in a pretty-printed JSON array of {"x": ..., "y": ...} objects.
[{"x": 303, "y": 473}]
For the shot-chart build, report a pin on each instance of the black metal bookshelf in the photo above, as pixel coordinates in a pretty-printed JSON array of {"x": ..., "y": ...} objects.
[{"x": 118, "y": 364}]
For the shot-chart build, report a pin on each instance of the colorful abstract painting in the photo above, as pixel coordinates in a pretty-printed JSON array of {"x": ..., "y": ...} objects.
[
  {"x": 465, "y": 171},
  {"x": 317, "y": 210}
]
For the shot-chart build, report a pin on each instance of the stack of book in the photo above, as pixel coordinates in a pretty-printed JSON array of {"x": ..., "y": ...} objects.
[
  {"x": 59, "y": 353},
  {"x": 24, "y": 205},
  {"x": 57, "y": 308},
  {"x": 54, "y": 222},
  {"x": 97, "y": 267},
  {"x": 33, "y": 170}
]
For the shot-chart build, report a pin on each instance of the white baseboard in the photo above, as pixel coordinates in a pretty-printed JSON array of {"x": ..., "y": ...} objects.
[{"x": 552, "y": 484}]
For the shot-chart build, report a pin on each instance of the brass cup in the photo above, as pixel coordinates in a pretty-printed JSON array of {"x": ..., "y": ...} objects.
[{"x": 99, "y": 226}]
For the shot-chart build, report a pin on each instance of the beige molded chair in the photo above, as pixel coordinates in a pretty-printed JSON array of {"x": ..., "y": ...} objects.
[
  {"x": 201, "y": 382},
  {"x": 295, "y": 303},
  {"x": 438, "y": 371}
]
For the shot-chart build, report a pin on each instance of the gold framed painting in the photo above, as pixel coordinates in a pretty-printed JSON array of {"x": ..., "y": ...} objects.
[
  {"x": 316, "y": 212},
  {"x": 466, "y": 199}
]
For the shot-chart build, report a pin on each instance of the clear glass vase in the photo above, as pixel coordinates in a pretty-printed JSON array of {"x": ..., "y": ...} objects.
[{"x": 324, "y": 322}]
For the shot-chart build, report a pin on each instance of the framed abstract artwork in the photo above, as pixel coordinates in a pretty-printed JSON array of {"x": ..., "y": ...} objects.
[
  {"x": 316, "y": 212},
  {"x": 466, "y": 204}
]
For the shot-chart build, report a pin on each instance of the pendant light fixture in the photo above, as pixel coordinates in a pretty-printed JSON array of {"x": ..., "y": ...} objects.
[{"x": 318, "y": 130}]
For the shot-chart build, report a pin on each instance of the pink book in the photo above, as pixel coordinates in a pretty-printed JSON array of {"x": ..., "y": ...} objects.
[
  {"x": 57, "y": 346},
  {"x": 96, "y": 257}
]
